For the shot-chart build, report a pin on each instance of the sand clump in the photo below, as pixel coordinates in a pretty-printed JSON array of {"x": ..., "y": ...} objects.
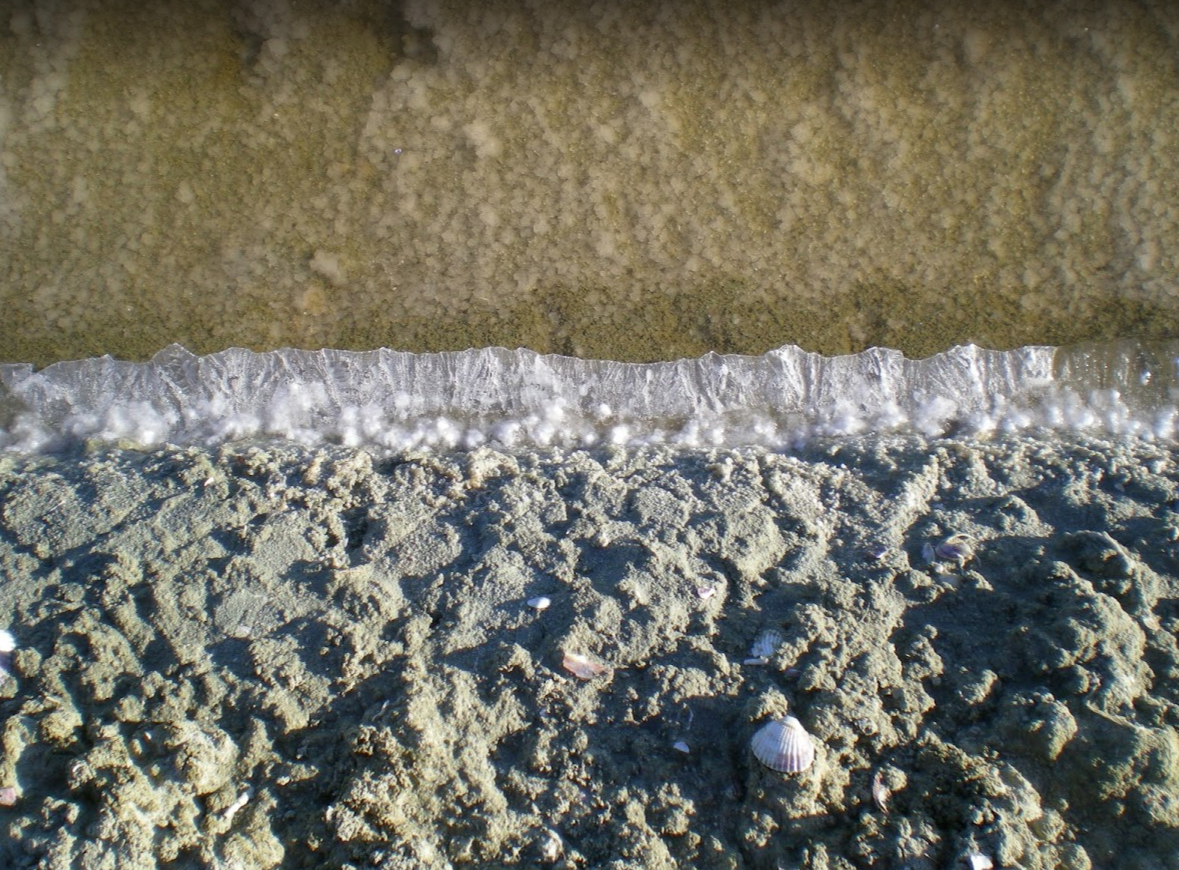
[{"x": 265, "y": 656}]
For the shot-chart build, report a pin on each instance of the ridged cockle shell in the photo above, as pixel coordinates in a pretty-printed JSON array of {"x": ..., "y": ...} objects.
[
  {"x": 783, "y": 745},
  {"x": 764, "y": 646},
  {"x": 767, "y": 643}
]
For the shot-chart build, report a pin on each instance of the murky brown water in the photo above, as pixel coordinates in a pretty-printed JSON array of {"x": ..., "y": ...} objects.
[{"x": 632, "y": 181}]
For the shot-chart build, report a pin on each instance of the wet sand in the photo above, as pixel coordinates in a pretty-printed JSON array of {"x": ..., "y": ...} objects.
[{"x": 265, "y": 656}]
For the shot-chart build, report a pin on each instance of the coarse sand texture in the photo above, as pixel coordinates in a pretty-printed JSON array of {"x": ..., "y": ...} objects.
[{"x": 274, "y": 657}]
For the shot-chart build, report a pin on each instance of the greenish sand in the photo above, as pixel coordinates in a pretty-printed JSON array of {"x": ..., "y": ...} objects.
[{"x": 271, "y": 658}]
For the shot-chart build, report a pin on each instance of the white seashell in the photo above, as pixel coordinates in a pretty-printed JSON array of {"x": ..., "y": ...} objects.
[
  {"x": 767, "y": 643},
  {"x": 975, "y": 861},
  {"x": 540, "y": 603},
  {"x": 681, "y": 746},
  {"x": 7, "y": 645},
  {"x": 783, "y": 745},
  {"x": 233, "y": 809},
  {"x": 552, "y": 848}
]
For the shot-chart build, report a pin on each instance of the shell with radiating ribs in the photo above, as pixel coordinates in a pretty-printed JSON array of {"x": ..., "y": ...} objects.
[{"x": 783, "y": 745}]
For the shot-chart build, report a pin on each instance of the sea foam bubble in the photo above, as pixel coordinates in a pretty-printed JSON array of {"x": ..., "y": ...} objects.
[{"x": 396, "y": 401}]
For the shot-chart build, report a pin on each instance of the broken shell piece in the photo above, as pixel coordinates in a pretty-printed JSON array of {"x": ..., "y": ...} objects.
[
  {"x": 8, "y": 796},
  {"x": 7, "y": 645},
  {"x": 233, "y": 809},
  {"x": 958, "y": 549},
  {"x": 977, "y": 861},
  {"x": 880, "y": 792},
  {"x": 541, "y": 602},
  {"x": 783, "y": 745},
  {"x": 705, "y": 592},
  {"x": 582, "y": 667},
  {"x": 681, "y": 746}
]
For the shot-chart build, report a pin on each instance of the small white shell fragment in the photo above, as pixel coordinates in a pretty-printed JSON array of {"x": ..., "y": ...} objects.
[
  {"x": 705, "y": 592},
  {"x": 977, "y": 861},
  {"x": 541, "y": 602},
  {"x": 783, "y": 745},
  {"x": 681, "y": 746},
  {"x": 583, "y": 667},
  {"x": 233, "y": 808},
  {"x": 880, "y": 792},
  {"x": 7, "y": 645}
]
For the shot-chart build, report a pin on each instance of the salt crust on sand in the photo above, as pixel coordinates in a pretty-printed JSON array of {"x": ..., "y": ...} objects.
[{"x": 279, "y": 657}]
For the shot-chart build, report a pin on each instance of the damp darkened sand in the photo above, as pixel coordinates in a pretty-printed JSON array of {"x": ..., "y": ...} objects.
[{"x": 265, "y": 657}]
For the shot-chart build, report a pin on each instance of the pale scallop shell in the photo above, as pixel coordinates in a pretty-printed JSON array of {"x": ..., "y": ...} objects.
[
  {"x": 783, "y": 745},
  {"x": 767, "y": 643}
]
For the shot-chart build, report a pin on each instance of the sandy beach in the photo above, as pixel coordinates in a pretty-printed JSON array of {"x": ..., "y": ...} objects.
[
  {"x": 293, "y": 610},
  {"x": 267, "y": 656}
]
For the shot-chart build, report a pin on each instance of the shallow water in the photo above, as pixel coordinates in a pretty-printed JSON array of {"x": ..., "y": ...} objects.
[{"x": 627, "y": 181}]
